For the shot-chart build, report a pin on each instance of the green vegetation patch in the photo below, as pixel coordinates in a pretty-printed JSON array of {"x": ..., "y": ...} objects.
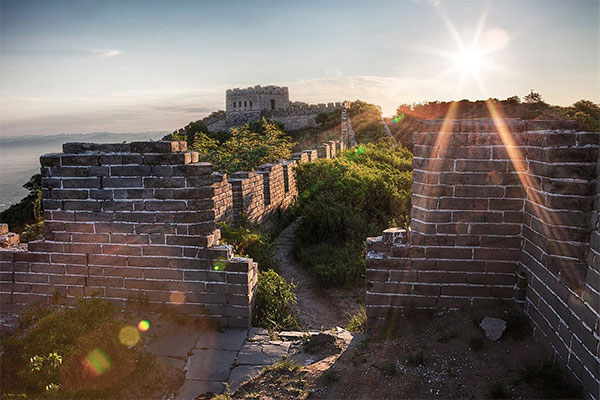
[
  {"x": 343, "y": 201},
  {"x": 72, "y": 353}
]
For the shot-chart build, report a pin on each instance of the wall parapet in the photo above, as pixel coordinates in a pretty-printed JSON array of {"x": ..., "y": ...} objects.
[
  {"x": 502, "y": 211},
  {"x": 125, "y": 221}
]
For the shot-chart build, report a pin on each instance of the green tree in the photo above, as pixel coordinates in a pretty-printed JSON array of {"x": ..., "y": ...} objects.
[
  {"x": 29, "y": 209},
  {"x": 533, "y": 98},
  {"x": 248, "y": 147}
]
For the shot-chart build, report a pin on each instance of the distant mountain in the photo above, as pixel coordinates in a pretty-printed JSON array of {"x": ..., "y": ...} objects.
[
  {"x": 103, "y": 137},
  {"x": 19, "y": 156}
]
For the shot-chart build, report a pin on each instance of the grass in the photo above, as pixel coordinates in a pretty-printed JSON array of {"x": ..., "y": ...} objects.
[
  {"x": 287, "y": 365},
  {"x": 357, "y": 322},
  {"x": 45, "y": 356}
]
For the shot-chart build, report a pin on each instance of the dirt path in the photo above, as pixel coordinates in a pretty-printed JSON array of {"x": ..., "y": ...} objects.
[{"x": 316, "y": 308}]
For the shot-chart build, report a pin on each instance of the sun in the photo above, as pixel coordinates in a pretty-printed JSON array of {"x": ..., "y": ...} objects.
[{"x": 470, "y": 61}]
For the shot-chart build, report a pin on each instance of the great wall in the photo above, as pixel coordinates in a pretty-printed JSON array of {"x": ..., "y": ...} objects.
[
  {"x": 250, "y": 104},
  {"x": 503, "y": 211}
]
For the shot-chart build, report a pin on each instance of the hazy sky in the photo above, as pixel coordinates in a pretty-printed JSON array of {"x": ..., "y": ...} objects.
[{"x": 127, "y": 66}]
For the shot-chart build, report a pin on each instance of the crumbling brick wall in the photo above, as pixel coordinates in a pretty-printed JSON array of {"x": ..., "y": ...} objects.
[
  {"x": 139, "y": 221},
  {"x": 502, "y": 212}
]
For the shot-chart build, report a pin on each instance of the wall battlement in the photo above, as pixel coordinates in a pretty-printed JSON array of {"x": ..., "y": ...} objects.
[
  {"x": 126, "y": 221},
  {"x": 250, "y": 104},
  {"x": 502, "y": 211}
]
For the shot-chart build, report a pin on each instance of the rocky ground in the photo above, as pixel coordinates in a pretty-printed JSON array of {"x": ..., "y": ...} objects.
[{"x": 443, "y": 356}]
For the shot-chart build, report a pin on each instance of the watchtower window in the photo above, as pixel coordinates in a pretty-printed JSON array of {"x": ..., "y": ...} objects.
[
  {"x": 250, "y": 103},
  {"x": 234, "y": 104},
  {"x": 272, "y": 104},
  {"x": 239, "y": 103},
  {"x": 245, "y": 104}
]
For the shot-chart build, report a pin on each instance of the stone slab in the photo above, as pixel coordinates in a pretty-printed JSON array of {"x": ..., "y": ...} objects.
[
  {"x": 176, "y": 346},
  {"x": 241, "y": 374},
  {"x": 176, "y": 363},
  {"x": 262, "y": 354},
  {"x": 232, "y": 339},
  {"x": 192, "y": 389},
  {"x": 210, "y": 365}
]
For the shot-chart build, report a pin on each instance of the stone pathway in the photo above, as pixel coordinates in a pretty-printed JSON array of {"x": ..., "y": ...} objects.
[{"x": 210, "y": 359}]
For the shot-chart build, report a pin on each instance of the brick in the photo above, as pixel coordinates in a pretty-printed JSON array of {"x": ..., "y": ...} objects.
[
  {"x": 77, "y": 259},
  {"x": 448, "y": 253},
  {"x": 463, "y": 204},
  {"x": 441, "y": 277},
  {"x": 160, "y": 273}
]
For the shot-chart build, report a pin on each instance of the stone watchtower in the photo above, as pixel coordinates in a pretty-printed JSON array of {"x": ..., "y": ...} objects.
[{"x": 243, "y": 105}]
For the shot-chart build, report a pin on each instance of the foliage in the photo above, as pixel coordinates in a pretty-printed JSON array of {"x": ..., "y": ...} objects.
[
  {"x": 345, "y": 200},
  {"x": 44, "y": 358},
  {"x": 248, "y": 147},
  {"x": 329, "y": 119},
  {"x": 32, "y": 232},
  {"x": 357, "y": 322},
  {"x": 250, "y": 242},
  {"x": 29, "y": 209},
  {"x": 275, "y": 300},
  {"x": 587, "y": 113}
]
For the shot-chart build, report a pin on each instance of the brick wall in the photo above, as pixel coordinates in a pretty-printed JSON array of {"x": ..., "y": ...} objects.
[
  {"x": 131, "y": 221},
  {"x": 500, "y": 213}
]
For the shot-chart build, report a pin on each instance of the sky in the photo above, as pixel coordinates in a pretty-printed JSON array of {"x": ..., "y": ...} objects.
[{"x": 132, "y": 66}]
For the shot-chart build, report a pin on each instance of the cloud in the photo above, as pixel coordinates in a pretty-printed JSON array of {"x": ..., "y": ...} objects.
[{"x": 106, "y": 53}]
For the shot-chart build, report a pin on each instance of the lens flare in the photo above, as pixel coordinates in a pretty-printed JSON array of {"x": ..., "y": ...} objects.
[
  {"x": 97, "y": 362},
  {"x": 177, "y": 297},
  {"x": 129, "y": 336},
  {"x": 398, "y": 118},
  {"x": 219, "y": 266},
  {"x": 360, "y": 149},
  {"x": 143, "y": 325}
]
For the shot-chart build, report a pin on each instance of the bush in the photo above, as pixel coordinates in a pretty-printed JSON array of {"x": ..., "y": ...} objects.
[
  {"x": 248, "y": 147},
  {"x": 250, "y": 242},
  {"x": 275, "y": 300},
  {"x": 334, "y": 266},
  {"x": 343, "y": 201}
]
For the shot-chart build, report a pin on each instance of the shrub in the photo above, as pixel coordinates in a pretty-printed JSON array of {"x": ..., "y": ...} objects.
[
  {"x": 275, "y": 300},
  {"x": 345, "y": 200},
  {"x": 332, "y": 265},
  {"x": 250, "y": 242}
]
